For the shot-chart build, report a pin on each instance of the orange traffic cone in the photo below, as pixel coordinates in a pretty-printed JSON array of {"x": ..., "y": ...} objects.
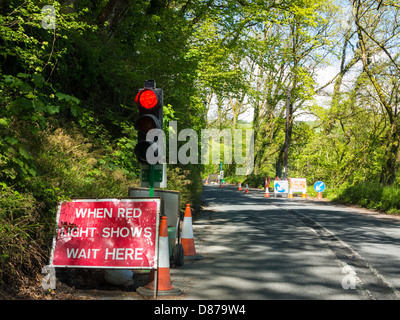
[
  {"x": 163, "y": 285},
  {"x": 304, "y": 195},
  {"x": 319, "y": 195},
  {"x": 187, "y": 239},
  {"x": 266, "y": 194},
  {"x": 247, "y": 188},
  {"x": 240, "y": 186},
  {"x": 290, "y": 195}
]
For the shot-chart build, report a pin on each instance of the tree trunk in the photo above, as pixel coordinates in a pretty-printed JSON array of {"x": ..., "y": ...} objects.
[
  {"x": 113, "y": 13},
  {"x": 388, "y": 173}
]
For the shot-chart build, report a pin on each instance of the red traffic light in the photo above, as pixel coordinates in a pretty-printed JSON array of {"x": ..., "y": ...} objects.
[
  {"x": 147, "y": 99},
  {"x": 150, "y": 102}
]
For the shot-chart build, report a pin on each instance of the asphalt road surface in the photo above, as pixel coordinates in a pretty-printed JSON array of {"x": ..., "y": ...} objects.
[{"x": 279, "y": 248}]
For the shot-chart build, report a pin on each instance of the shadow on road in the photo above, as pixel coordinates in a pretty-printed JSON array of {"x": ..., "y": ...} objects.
[{"x": 254, "y": 250}]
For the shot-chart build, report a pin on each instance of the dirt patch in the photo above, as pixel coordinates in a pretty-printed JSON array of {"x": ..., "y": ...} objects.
[{"x": 76, "y": 284}]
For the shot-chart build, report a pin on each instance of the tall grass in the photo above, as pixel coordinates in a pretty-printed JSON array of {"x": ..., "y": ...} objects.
[
  {"x": 372, "y": 196},
  {"x": 23, "y": 230}
]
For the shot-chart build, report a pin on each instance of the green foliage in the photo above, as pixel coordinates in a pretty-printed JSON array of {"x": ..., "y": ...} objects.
[
  {"x": 372, "y": 196},
  {"x": 235, "y": 179},
  {"x": 187, "y": 182},
  {"x": 74, "y": 165},
  {"x": 254, "y": 180},
  {"x": 23, "y": 236}
]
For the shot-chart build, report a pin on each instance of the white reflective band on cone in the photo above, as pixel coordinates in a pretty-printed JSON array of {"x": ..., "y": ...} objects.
[
  {"x": 163, "y": 251},
  {"x": 187, "y": 230}
]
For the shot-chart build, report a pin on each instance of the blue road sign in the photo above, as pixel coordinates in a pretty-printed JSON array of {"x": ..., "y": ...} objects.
[
  {"x": 281, "y": 186},
  {"x": 319, "y": 186}
]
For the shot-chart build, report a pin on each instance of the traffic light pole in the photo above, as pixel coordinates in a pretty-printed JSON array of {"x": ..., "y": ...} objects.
[
  {"x": 285, "y": 161},
  {"x": 151, "y": 181}
]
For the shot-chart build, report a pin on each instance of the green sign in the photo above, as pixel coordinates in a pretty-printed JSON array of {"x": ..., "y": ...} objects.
[{"x": 158, "y": 175}]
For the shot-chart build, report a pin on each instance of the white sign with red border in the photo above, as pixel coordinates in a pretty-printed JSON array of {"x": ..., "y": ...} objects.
[{"x": 298, "y": 185}]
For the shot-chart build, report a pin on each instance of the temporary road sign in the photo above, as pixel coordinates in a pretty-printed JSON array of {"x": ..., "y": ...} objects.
[
  {"x": 319, "y": 186},
  {"x": 281, "y": 186},
  {"x": 107, "y": 233},
  {"x": 298, "y": 185}
]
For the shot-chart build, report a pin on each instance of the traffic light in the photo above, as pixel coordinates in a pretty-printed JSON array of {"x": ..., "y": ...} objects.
[{"x": 150, "y": 102}]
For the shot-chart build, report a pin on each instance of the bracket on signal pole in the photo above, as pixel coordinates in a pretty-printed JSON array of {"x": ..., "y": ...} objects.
[{"x": 160, "y": 175}]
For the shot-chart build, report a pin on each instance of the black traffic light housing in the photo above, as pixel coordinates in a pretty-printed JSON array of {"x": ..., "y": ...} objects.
[{"x": 150, "y": 102}]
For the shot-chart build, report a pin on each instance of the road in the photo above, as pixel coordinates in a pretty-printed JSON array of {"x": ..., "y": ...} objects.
[{"x": 279, "y": 248}]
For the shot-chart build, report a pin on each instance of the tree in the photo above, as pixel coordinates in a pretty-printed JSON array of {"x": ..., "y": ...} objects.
[
  {"x": 287, "y": 67},
  {"x": 377, "y": 26}
]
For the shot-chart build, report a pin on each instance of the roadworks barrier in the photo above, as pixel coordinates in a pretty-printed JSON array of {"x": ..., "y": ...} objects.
[
  {"x": 163, "y": 282},
  {"x": 187, "y": 238}
]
